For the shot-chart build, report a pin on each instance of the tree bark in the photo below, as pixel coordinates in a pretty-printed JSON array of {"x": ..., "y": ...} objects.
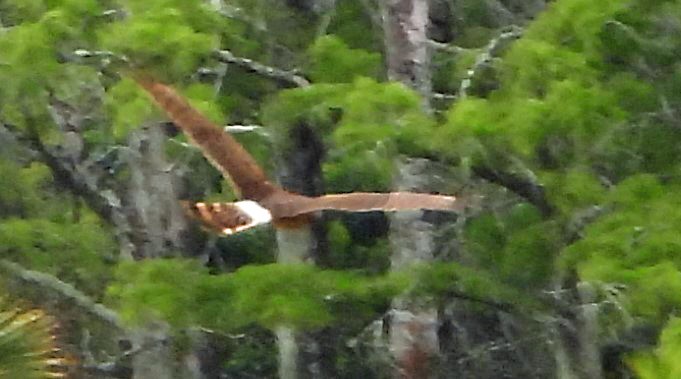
[
  {"x": 301, "y": 173},
  {"x": 146, "y": 216},
  {"x": 413, "y": 327},
  {"x": 153, "y": 197},
  {"x": 161, "y": 230},
  {"x": 576, "y": 343},
  {"x": 405, "y": 24}
]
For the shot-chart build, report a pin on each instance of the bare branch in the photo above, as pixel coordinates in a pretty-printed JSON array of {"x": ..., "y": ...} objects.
[
  {"x": 290, "y": 78},
  {"x": 237, "y": 14},
  {"x": 443, "y": 96},
  {"x": 493, "y": 49},
  {"x": 61, "y": 290},
  {"x": 82, "y": 181},
  {"x": 287, "y": 77},
  {"x": 530, "y": 190},
  {"x": 236, "y": 129},
  {"x": 581, "y": 219},
  {"x": 453, "y": 49}
]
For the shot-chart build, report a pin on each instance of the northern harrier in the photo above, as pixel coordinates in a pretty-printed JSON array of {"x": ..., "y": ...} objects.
[{"x": 263, "y": 201}]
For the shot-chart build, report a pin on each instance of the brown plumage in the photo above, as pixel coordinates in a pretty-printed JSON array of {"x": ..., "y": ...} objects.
[
  {"x": 218, "y": 216},
  {"x": 286, "y": 208},
  {"x": 221, "y": 149}
]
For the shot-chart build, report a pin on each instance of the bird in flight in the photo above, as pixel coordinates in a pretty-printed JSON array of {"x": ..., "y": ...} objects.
[{"x": 264, "y": 202}]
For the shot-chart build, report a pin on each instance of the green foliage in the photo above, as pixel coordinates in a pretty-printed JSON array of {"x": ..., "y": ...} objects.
[
  {"x": 663, "y": 362},
  {"x": 314, "y": 104},
  {"x": 294, "y": 29},
  {"x": 351, "y": 23},
  {"x": 451, "y": 69},
  {"x": 334, "y": 62},
  {"x": 517, "y": 247},
  {"x": 569, "y": 191},
  {"x": 21, "y": 193},
  {"x": 270, "y": 295},
  {"x": 130, "y": 107},
  {"x": 22, "y": 98},
  {"x": 347, "y": 175},
  {"x": 574, "y": 24},
  {"x": 635, "y": 244},
  {"x": 257, "y": 246},
  {"x": 301, "y": 295},
  {"x": 151, "y": 289},
  {"x": 172, "y": 34},
  {"x": 550, "y": 91},
  {"x": 253, "y": 353},
  {"x": 75, "y": 252},
  {"x": 586, "y": 100},
  {"x": 444, "y": 281},
  {"x": 373, "y": 121},
  {"x": 44, "y": 30},
  {"x": 576, "y": 103},
  {"x": 476, "y": 21},
  {"x": 51, "y": 232},
  {"x": 346, "y": 254},
  {"x": 376, "y": 112},
  {"x": 469, "y": 117}
]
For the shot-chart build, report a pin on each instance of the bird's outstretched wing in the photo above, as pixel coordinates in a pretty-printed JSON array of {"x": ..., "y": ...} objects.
[
  {"x": 270, "y": 202},
  {"x": 368, "y": 202},
  {"x": 290, "y": 209},
  {"x": 221, "y": 149}
]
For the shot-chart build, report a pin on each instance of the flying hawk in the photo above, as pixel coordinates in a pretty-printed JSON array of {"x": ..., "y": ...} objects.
[{"x": 263, "y": 201}]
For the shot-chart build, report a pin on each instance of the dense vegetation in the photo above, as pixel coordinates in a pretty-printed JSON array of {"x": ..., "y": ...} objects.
[{"x": 570, "y": 132}]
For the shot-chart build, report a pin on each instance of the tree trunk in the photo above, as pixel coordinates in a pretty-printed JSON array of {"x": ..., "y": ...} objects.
[
  {"x": 146, "y": 216},
  {"x": 302, "y": 174},
  {"x": 154, "y": 210},
  {"x": 576, "y": 335},
  {"x": 160, "y": 230},
  {"x": 288, "y": 352},
  {"x": 405, "y": 23},
  {"x": 153, "y": 357},
  {"x": 413, "y": 327}
]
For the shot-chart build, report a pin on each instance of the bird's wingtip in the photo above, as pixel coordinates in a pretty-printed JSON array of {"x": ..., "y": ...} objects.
[{"x": 468, "y": 201}]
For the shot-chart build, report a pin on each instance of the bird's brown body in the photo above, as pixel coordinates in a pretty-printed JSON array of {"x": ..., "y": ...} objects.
[{"x": 288, "y": 210}]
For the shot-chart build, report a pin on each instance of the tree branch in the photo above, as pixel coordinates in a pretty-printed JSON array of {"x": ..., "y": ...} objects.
[
  {"x": 452, "y": 49},
  {"x": 443, "y": 96},
  {"x": 496, "y": 305},
  {"x": 81, "y": 181},
  {"x": 61, "y": 290},
  {"x": 237, "y": 14},
  {"x": 529, "y": 190},
  {"x": 289, "y": 78},
  {"x": 286, "y": 77},
  {"x": 493, "y": 50}
]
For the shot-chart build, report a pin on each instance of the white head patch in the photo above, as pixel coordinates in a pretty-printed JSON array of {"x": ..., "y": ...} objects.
[{"x": 255, "y": 212}]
